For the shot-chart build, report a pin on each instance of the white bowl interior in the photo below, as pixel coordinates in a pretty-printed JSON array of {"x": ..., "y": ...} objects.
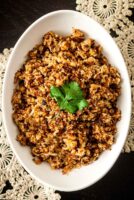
[{"x": 62, "y": 23}]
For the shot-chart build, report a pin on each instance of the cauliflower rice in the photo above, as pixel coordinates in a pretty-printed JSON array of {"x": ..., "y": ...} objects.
[{"x": 62, "y": 139}]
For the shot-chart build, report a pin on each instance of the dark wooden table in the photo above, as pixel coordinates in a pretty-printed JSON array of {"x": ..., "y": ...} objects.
[{"x": 15, "y": 17}]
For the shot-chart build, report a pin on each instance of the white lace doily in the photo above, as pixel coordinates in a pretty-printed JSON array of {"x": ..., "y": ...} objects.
[
  {"x": 114, "y": 15},
  {"x": 22, "y": 186}
]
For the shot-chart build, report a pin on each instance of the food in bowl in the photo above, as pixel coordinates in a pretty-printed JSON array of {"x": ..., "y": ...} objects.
[{"x": 65, "y": 101}]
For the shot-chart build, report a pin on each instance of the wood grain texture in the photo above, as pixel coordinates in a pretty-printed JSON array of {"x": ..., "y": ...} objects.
[{"x": 15, "y": 17}]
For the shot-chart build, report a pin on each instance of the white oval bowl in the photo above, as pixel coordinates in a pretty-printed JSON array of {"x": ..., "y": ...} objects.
[{"x": 62, "y": 22}]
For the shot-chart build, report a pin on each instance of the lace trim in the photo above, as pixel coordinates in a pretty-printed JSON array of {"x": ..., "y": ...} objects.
[{"x": 112, "y": 14}]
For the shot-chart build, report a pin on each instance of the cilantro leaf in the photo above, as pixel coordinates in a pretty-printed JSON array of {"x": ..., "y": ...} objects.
[
  {"x": 74, "y": 86},
  {"x": 72, "y": 90},
  {"x": 69, "y": 97},
  {"x": 59, "y": 101},
  {"x": 82, "y": 104},
  {"x": 71, "y": 109},
  {"x": 56, "y": 92},
  {"x": 65, "y": 105}
]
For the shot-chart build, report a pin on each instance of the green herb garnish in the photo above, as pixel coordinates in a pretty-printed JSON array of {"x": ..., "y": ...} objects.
[{"x": 69, "y": 97}]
